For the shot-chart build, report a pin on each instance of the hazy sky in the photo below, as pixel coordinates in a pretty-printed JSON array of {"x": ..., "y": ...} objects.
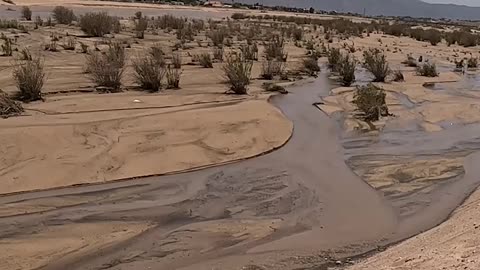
[{"x": 460, "y": 2}]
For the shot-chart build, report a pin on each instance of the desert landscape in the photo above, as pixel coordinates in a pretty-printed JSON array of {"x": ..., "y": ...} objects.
[{"x": 148, "y": 136}]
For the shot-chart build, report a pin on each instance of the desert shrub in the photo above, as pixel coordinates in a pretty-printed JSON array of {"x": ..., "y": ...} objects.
[
  {"x": 462, "y": 38},
  {"x": 7, "y": 46},
  {"x": 148, "y": 73},
  {"x": 169, "y": 21},
  {"x": 116, "y": 26},
  {"x": 272, "y": 68},
  {"x": 218, "y": 54},
  {"x": 398, "y": 76},
  {"x": 177, "y": 60},
  {"x": 370, "y": 100},
  {"x": 158, "y": 55},
  {"x": 5, "y": 24},
  {"x": 376, "y": 63},
  {"x": 271, "y": 87},
  {"x": 96, "y": 24},
  {"x": 29, "y": 77},
  {"x": 250, "y": 52},
  {"x": 218, "y": 36},
  {"x": 8, "y": 106},
  {"x": 173, "y": 78},
  {"x": 69, "y": 44},
  {"x": 138, "y": 15},
  {"x": 346, "y": 69},
  {"x": 27, "y": 13},
  {"x": 106, "y": 70},
  {"x": 205, "y": 60},
  {"x": 410, "y": 62},
  {"x": 433, "y": 36},
  {"x": 239, "y": 16},
  {"x": 472, "y": 62},
  {"x": 38, "y": 21},
  {"x": 274, "y": 50},
  {"x": 334, "y": 57},
  {"x": 25, "y": 55},
  {"x": 427, "y": 70},
  {"x": 310, "y": 64},
  {"x": 237, "y": 71},
  {"x": 63, "y": 15},
  {"x": 141, "y": 25},
  {"x": 83, "y": 47},
  {"x": 297, "y": 33}
]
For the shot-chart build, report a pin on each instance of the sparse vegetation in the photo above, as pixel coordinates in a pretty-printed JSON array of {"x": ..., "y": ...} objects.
[
  {"x": 346, "y": 69},
  {"x": 106, "y": 70},
  {"x": 310, "y": 64},
  {"x": 27, "y": 13},
  {"x": 237, "y": 71},
  {"x": 148, "y": 73},
  {"x": 63, "y": 15},
  {"x": 25, "y": 55},
  {"x": 250, "y": 52},
  {"x": 96, "y": 24},
  {"x": 177, "y": 60},
  {"x": 218, "y": 54},
  {"x": 29, "y": 77},
  {"x": 205, "y": 60},
  {"x": 334, "y": 57},
  {"x": 427, "y": 70},
  {"x": 376, "y": 63},
  {"x": 398, "y": 76},
  {"x": 7, "y": 46},
  {"x": 173, "y": 78},
  {"x": 8, "y": 106},
  {"x": 274, "y": 50},
  {"x": 370, "y": 100},
  {"x": 69, "y": 44},
  {"x": 472, "y": 62},
  {"x": 272, "y": 68}
]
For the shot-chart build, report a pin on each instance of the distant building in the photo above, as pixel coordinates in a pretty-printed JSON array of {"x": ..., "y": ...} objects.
[{"x": 213, "y": 4}]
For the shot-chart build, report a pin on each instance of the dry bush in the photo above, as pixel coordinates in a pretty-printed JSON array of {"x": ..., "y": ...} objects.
[
  {"x": 157, "y": 53},
  {"x": 106, "y": 70},
  {"x": 398, "y": 76},
  {"x": 141, "y": 25},
  {"x": 346, "y": 69},
  {"x": 271, "y": 87},
  {"x": 370, "y": 100},
  {"x": 8, "y": 106},
  {"x": 297, "y": 33},
  {"x": 177, "y": 60},
  {"x": 334, "y": 57},
  {"x": 250, "y": 52},
  {"x": 83, "y": 47},
  {"x": 376, "y": 62},
  {"x": 218, "y": 54},
  {"x": 25, "y": 55},
  {"x": 205, "y": 60},
  {"x": 310, "y": 65},
  {"x": 169, "y": 21},
  {"x": 472, "y": 62},
  {"x": 239, "y": 16},
  {"x": 7, "y": 46},
  {"x": 96, "y": 24},
  {"x": 29, "y": 77},
  {"x": 148, "y": 73},
  {"x": 6, "y": 24},
  {"x": 63, "y": 15},
  {"x": 69, "y": 44},
  {"x": 27, "y": 13},
  {"x": 272, "y": 68},
  {"x": 427, "y": 70},
  {"x": 173, "y": 78},
  {"x": 237, "y": 71},
  {"x": 274, "y": 50},
  {"x": 218, "y": 36}
]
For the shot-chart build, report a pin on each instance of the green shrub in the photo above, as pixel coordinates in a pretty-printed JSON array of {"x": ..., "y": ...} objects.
[
  {"x": 427, "y": 70},
  {"x": 29, "y": 77},
  {"x": 370, "y": 100},
  {"x": 63, "y": 15},
  {"x": 205, "y": 60},
  {"x": 106, "y": 70},
  {"x": 376, "y": 63},
  {"x": 237, "y": 71},
  {"x": 310, "y": 64},
  {"x": 96, "y": 24},
  {"x": 346, "y": 69}
]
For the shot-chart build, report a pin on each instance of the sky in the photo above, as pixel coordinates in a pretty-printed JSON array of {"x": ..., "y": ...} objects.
[{"x": 459, "y": 2}]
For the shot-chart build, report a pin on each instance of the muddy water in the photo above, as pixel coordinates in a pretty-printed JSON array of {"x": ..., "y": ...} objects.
[{"x": 216, "y": 218}]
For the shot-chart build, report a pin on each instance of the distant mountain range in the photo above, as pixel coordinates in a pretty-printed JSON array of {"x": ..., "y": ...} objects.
[{"x": 413, "y": 8}]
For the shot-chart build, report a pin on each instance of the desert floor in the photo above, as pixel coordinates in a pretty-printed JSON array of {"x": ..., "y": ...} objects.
[{"x": 338, "y": 188}]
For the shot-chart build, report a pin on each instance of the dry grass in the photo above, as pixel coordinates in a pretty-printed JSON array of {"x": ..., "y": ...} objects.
[
  {"x": 29, "y": 77},
  {"x": 237, "y": 71}
]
